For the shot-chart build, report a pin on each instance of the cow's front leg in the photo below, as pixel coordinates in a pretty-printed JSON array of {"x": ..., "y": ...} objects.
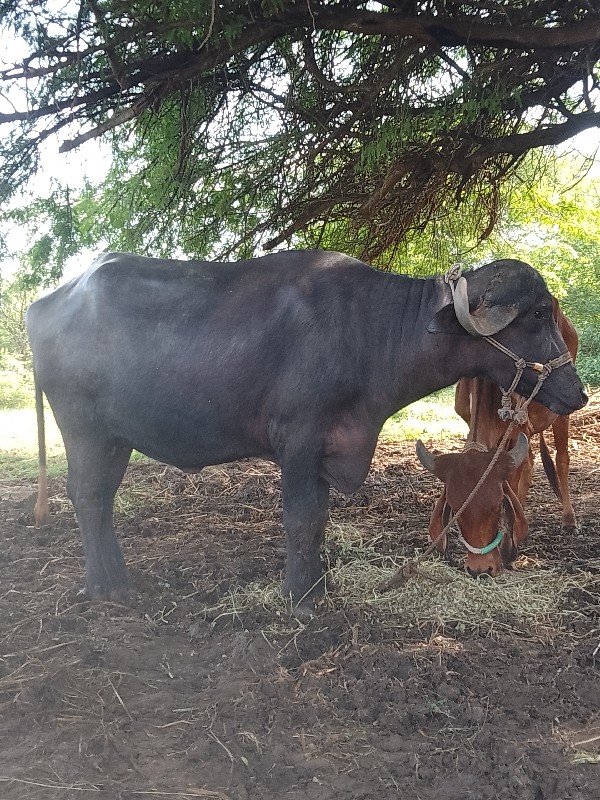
[{"x": 305, "y": 502}]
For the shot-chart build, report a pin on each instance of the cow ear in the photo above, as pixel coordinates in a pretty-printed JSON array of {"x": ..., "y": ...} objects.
[
  {"x": 445, "y": 321},
  {"x": 520, "y": 526},
  {"x": 509, "y": 547},
  {"x": 436, "y": 523},
  {"x": 436, "y": 465}
]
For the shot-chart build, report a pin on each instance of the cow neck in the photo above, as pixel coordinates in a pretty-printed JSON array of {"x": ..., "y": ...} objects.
[
  {"x": 485, "y": 428},
  {"x": 475, "y": 417}
]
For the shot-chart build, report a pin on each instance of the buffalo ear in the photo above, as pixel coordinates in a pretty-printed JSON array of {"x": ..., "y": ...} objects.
[{"x": 445, "y": 321}]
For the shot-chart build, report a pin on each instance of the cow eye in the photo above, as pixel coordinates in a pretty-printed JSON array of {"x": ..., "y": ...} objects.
[{"x": 541, "y": 313}]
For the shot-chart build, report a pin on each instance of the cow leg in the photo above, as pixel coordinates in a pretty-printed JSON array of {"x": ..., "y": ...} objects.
[
  {"x": 96, "y": 470},
  {"x": 560, "y": 429},
  {"x": 305, "y": 498}
]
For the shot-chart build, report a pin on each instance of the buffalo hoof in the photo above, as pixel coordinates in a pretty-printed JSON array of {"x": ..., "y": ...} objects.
[
  {"x": 302, "y": 600},
  {"x": 304, "y": 611},
  {"x": 121, "y": 595}
]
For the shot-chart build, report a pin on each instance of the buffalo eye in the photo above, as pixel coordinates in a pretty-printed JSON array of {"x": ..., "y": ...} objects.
[{"x": 542, "y": 313}]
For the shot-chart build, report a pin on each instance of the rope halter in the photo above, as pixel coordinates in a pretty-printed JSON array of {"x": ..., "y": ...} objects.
[{"x": 519, "y": 414}]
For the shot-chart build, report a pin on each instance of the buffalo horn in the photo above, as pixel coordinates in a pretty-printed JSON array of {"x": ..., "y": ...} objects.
[
  {"x": 425, "y": 457},
  {"x": 520, "y": 450},
  {"x": 487, "y": 320}
]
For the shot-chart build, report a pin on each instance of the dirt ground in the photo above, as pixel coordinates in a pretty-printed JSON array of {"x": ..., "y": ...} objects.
[{"x": 189, "y": 696}]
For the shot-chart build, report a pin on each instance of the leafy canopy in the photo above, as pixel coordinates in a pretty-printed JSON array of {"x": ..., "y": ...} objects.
[{"x": 244, "y": 125}]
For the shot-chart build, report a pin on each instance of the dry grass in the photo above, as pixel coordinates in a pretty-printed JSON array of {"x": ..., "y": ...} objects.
[
  {"x": 527, "y": 600},
  {"x": 215, "y": 533},
  {"x": 158, "y": 794}
]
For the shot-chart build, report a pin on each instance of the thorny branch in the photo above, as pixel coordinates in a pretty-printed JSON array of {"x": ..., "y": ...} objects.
[{"x": 386, "y": 113}]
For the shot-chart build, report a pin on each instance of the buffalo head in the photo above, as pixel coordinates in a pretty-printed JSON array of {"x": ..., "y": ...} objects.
[
  {"x": 509, "y": 301},
  {"x": 494, "y": 514}
]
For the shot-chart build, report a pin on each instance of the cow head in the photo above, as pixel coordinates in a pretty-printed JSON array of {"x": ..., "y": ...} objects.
[
  {"x": 489, "y": 547},
  {"x": 508, "y": 299}
]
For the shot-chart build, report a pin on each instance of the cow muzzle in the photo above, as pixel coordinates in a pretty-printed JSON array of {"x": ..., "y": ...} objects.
[
  {"x": 491, "y": 567},
  {"x": 503, "y": 549},
  {"x": 485, "y": 560}
]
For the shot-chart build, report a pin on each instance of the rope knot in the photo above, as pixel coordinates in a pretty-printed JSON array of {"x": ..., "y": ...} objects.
[
  {"x": 520, "y": 363},
  {"x": 453, "y": 273},
  {"x": 506, "y": 413},
  {"x": 520, "y": 416}
]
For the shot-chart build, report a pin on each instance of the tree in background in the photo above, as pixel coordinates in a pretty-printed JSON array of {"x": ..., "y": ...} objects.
[
  {"x": 553, "y": 222},
  {"x": 548, "y": 218},
  {"x": 239, "y": 126},
  {"x": 16, "y": 384}
]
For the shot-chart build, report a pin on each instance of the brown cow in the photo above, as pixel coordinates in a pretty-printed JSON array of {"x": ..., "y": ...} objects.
[
  {"x": 477, "y": 401},
  {"x": 491, "y": 508}
]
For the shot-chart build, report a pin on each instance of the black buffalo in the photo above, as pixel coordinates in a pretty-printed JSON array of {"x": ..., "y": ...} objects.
[{"x": 296, "y": 357}]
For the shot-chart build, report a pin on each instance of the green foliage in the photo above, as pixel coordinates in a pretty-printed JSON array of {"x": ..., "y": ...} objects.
[
  {"x": 15, "y": 298},
  {"x": 549, "y": 216},
  {"x": 554, "y": 224},
  {"x": 432, "y": 417},
  {"x": 156, "y": 202},
  {"x": 16, "y": 383},
  {"x": 452, "y": 236},
  {"x": 58, "y": 227},
  {"x": 240, "y": 126},
  {"x": 588, "y": 358}
]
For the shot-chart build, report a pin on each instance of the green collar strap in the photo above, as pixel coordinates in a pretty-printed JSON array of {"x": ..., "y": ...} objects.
[{"x": 481, "y": 551}]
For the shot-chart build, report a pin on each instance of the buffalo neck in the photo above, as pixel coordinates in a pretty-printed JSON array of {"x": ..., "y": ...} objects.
[{"x": 414, "y": 363}]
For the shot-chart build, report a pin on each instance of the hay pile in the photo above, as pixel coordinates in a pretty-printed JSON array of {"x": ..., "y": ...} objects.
[{"x": 527, "y": 600}]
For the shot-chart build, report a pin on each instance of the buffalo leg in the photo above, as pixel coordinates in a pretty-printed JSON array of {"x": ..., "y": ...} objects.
[
  {"x": 305, "y": 501},
  {"x": 95, "y": 473}
]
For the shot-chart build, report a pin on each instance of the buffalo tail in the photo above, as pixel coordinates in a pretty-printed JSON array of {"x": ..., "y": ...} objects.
[{"x": 41, "y": 513}]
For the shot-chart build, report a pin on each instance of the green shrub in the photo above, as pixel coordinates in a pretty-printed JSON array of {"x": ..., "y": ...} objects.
[
  {"x": 16, "y": 384},
  {"x": 588, "y": 356}
]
